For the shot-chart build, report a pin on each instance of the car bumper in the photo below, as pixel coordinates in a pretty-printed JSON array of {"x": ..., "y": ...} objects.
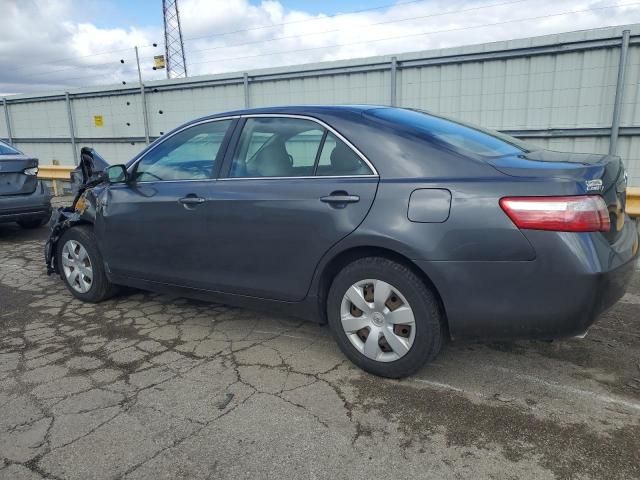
[
  {"x": 25, "y": 207},
  {"x": 574, "y": 278}
]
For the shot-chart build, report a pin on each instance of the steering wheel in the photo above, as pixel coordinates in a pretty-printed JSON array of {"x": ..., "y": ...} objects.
[
  {"x": 202, "y": 168},
  {"x": 150, "y": 174}
]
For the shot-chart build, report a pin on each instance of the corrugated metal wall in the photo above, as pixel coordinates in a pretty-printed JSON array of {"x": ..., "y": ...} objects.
[
  {"x": 570, "y": 90},
  {"x": 557, "y": 91}
]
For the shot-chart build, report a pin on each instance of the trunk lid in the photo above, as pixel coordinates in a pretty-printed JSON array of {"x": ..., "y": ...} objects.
[
  {"x": 595, "y": 174},
  {"x": 13, "y": 179}
]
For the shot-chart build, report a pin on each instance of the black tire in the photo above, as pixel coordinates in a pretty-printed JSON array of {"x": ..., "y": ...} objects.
[
  {"x": 30, "y": 223},
  {"x": 429, "y": 334},
  {"x": 101, "y": 288}
]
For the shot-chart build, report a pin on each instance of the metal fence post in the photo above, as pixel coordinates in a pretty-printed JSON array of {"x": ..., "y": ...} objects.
[
  {"x": 72, "y": 128},
  {"x": 394, "y": 69},
  {"x": 245, "y": 83},
  {"x": 145, "y": 115},
  {"x": 617, "y": 103},
  {"x": 7, "y": 120}
]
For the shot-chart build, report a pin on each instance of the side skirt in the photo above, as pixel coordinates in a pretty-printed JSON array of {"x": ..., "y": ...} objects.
[{"x": 306, "y": 309}]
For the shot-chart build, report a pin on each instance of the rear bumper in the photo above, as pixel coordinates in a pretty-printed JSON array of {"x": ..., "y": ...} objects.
[
  {"x": 574, "y": 278},
  {"x": 32, "y": 206}
]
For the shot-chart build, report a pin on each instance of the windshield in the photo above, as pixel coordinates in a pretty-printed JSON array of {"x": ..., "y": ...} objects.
[
  {"x": 461, "y": 137},
  {"x": 7, "y": 149}
]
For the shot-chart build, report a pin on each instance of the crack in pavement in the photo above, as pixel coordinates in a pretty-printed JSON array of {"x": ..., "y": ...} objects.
[{"x": 132, "y": 387}]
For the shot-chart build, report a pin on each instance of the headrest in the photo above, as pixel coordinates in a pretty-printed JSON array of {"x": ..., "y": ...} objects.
[
  {"x": 273, "y": 161},
  {"x": 343, "y": 159}
]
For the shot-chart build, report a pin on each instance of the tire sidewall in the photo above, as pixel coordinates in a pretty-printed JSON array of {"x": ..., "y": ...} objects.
[{"x": 425, "y": 308}]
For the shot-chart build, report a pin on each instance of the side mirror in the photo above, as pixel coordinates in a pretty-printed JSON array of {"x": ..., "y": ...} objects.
[{"x": 117, "y": 174}]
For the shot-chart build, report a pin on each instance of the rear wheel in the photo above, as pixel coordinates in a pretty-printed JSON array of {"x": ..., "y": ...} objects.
[
  {"x": 32, "y": 222},
  {"x": 81, "y": 266},
  {"x": 384, "y": 318}
]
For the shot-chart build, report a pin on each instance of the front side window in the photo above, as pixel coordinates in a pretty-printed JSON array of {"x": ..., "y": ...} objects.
[
  {"x": 188, "y": 155},
  {"x": 277, "y": 147}
]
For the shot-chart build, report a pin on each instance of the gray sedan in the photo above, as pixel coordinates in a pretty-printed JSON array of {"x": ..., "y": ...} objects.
[
  {"x": 23, "y": 198},
  {"x": 399, "y": 228}
]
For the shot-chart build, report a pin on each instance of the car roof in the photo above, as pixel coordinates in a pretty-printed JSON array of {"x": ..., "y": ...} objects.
[{"x": 298, "y": 110}]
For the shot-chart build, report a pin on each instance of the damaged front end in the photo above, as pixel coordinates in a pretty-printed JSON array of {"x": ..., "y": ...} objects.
[{"x": 88, "y": 175}]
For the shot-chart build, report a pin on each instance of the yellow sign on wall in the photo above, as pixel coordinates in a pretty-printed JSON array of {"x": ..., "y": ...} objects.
[
  {"x": 158, "y": 62},
  {"x": 98, "y": 121}
]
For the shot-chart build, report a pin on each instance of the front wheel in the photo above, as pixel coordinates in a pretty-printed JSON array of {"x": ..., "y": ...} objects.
[
  {"x": 81, "y": 266},
  {"x": 384, "y": 318}
]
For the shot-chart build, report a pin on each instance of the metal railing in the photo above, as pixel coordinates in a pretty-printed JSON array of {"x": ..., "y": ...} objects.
[
  {"x": 633, "y": 202},
  {"x": 55, "y": 174}
]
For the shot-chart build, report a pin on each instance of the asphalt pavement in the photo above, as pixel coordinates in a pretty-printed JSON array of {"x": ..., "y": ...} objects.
[{"x": 149, "y": 386}]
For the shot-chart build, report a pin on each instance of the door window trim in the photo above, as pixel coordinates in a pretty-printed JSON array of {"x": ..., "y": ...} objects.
[
  {"x": 225, "y": 143},
  {"x": 328, "y": 128}
]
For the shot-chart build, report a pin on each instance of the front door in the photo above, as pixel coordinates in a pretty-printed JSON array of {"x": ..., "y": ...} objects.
[
  {"x": 292, "y": 191},
  {"x": 156, "y": 226}
]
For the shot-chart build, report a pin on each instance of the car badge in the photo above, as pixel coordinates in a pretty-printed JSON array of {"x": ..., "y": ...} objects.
[{"x": 594, "y": 185}]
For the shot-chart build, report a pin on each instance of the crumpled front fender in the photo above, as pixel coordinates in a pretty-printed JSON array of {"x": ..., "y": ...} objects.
[
  {"x": 82, "y": 211},
  {"x": 61, "y": 220}
]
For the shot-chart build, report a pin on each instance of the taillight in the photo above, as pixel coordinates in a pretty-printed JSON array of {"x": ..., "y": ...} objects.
[{"x": 583, "y": 213}]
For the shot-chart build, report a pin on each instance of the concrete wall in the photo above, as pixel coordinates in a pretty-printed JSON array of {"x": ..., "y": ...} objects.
[{"x": 557, "y": 91}]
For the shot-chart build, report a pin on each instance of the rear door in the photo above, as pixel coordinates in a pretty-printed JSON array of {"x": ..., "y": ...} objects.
[
  {"x": 157, "y": 226},
  {"x": 17, "y": 172},
  {"x": 293, "y": 189}
]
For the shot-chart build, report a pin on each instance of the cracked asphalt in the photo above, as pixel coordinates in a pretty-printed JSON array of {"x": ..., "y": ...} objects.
[{"x": 148, "y": 386}]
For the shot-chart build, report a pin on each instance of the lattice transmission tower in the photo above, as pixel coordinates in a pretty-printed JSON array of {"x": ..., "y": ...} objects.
[{"x": 173, "y": 46}]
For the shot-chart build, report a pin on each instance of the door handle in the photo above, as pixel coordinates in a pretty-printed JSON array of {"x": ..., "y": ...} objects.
[
  {"x": 340, "y": 199},
  {"x": 192, "y": 200}
]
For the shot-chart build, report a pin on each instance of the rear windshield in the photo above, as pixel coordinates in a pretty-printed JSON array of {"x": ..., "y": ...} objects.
[
  {"x": 461, "y": 137},
  {"x": 7, "y": 150}
]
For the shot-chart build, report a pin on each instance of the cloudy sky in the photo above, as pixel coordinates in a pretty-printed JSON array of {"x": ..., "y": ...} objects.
[{"x": 62, "y": 44}]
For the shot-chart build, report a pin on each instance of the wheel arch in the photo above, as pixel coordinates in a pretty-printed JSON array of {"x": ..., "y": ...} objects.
[
  {"x": 331, "y": 268},
  {"x": 51, "y": 248}
]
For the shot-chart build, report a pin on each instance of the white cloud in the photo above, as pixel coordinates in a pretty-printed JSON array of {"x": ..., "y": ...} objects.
[
  {"x": 269, "y": 35},
  {"x": 43, "y": 48}
]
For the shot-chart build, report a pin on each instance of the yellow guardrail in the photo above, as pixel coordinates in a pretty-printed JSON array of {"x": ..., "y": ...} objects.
[
  {"x": 633, "y": 202},
  {"x": 54, "y": 173},
  {"x": 61, "y": 172}
]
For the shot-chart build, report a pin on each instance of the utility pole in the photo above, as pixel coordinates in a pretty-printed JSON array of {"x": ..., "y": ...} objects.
[
  {"x": 617, "y": 103},
  {"x": 145, "y": 117},
  {"x": 173, "y": 44}
]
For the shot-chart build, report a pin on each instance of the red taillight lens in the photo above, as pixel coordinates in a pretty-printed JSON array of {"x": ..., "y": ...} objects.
[{"x": 584, "y": 213}]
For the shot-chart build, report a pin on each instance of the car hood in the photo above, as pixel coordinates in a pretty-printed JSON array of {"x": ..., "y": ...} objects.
[{"x": 90, "y": 169}]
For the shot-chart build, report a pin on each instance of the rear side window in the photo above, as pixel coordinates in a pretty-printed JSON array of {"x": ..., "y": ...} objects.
[
  {"x": 459, "y": 137},
  {"x": 338, "y": 159},
  {"x": 7, "y": 149},
  {"x": 303, "y": 149},
  {"x": 277, "y": 147},
  {"x": 292, "y": 147}
]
